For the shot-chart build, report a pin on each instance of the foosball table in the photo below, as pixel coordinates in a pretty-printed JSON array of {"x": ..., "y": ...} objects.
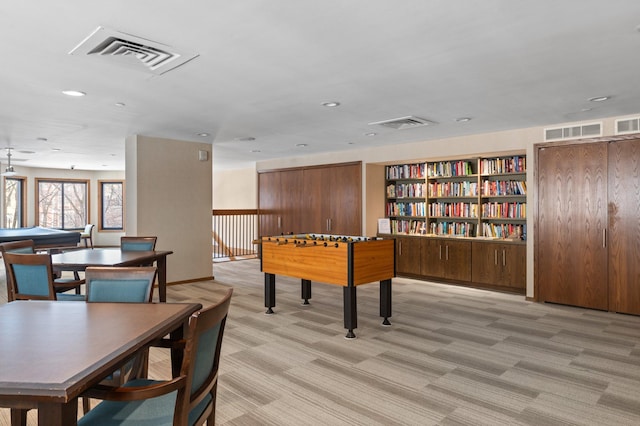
[{"x": 347, "y": 261}]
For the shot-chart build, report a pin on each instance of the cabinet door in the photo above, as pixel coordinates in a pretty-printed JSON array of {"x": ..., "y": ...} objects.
[
  {"x": 571, "y": 260},
  {"x": 432, "y": 258},
  {"x": 484, "y": 263},
  {"x": 457, "y": 260},
  {"x": 291, "y": 206},
  {"x": 269, "y": 196},
  {"x": 408, "y": 255},
  {"x": 513, "y": 271},
  {"x": 623, "y": 240}
]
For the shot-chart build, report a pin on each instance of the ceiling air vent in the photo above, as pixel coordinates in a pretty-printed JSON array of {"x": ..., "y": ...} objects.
[
  {"x": 404, "y": 122},
  {"x": 573, "y": 132},
  {"x": 132, "y": 51},
  {"x": 628, "y": 125}
]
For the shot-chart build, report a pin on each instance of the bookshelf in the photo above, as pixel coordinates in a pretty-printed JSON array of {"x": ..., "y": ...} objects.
[
  {"x": 468, "y": 197},
  {"x": 406, "y": 198}
]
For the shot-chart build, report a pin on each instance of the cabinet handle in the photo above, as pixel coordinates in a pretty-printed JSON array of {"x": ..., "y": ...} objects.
[
  {"x": 399, "y": 248},
  {"x": 440, "y": 252},
  {"x": 604, "y": 238},
  {"x": 447, "y": 252},
  {"x": 495, "y": 257},
  {"x": 330, "y": 224},
  {"x": 504, "y": 258},
  {"x": 279, "y": 222}
]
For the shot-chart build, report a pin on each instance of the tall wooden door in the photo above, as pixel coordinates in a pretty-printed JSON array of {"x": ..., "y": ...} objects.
[
  {"x": 571, "y": 253},
  {"x": 624, "y": 226}
]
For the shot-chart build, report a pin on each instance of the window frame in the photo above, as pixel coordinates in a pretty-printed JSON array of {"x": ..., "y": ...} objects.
[
  {"x": 87, "y": 206},
  {"x": 22, "y": 201},
  {"x": 101, "y": 227}
]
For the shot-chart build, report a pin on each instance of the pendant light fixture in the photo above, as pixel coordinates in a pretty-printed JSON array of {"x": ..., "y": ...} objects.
[{"x": 9, "y": 170}]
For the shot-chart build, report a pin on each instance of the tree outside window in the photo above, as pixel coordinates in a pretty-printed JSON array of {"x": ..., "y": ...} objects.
[
  {"x": 14, "y": 202},
  {"x": 111, "y": 205},
  {"x": 62, "y": 204}
]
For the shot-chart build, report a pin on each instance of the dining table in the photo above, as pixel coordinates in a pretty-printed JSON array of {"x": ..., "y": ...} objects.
[
  {"x": 53, "y": 351},
  {"x": 79, "y": 260}
]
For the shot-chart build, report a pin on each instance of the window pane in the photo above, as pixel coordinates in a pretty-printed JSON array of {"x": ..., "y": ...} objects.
[
  {"x": 50, "y": 204},
  {"x": 13, "y": 199},
  {"x": 62, "y": 204},
  {"x": 112, "y": 202}
]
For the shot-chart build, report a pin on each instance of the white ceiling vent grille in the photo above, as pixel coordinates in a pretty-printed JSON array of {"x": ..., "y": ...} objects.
[
  {"x": 409, "y": 122},
  {"x": 132, "y": 51},
  {"x": 628, "y": 125},
  {"x": 573, "y": 132}
]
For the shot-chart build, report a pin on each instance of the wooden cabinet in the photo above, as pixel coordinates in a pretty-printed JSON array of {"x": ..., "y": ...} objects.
[
  {"x": 623, "y": 239},
  {"x": 278, "y": 197},
  {"x": 499, "y": 264},
  {"x": 333, "y": 199},
  {"x": 446, "y": 258},
  {"x": 323, "y": 199},
  {"x": 408, "y": 256}
]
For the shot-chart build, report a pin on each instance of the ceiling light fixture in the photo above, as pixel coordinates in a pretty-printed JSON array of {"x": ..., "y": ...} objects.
[
  {"x": 120, "y": 104},
  {"x": 255, "y": 150},
  {"x": 41, "y": 139},
  {"x": 463, "y": 119},
  {"x": 245, "y": 139},
  {"x": 301, "y": 145},
  {"x": 330, "y": 104},
  {"x": 370, "y": 134},
  {"x": 599, "y": 99},
  {"x": 9, "y": 170},
  {"x": 75, "y": 93},
  {"x": 203, "y": 134}
]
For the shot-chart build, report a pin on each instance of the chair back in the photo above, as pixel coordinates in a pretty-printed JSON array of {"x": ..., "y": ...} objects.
[
  {"x": 201, "y": 362},
  {"x": 138, "y": 243},
  {"x": 23, "y": 246},
  {"x": 120, "y": 284},
  {"x": 30, "y": 276},
  {"x": 87, "y": 229}
]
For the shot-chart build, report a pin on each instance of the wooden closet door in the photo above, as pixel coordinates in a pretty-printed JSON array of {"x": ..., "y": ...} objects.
[
  {"x": 624, "y": 226},
  {"x": 571, "y": 258}
]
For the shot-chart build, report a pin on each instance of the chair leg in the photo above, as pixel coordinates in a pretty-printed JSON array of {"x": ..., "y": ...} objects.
[{"x": 86, "y": 405}]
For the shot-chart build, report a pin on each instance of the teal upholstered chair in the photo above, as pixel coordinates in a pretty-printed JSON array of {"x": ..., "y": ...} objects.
[
  {"x": 60, "y": 284},
  {"x": 138, "y": 243},
  {"x": 121, "y": 285},
  {"x": 30, "y": 277},
  {"x": 188, "y": 399}
]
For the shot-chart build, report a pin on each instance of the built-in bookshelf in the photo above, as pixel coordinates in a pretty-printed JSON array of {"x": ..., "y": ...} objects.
[
  {"x": 406, "y": 205},
  {"x": 469, "y": 197}
]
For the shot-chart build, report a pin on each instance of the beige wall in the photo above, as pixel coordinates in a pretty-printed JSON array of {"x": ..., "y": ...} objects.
[
  {"x": 169, "y": 195},
  {"x": 235, "y": 189}
]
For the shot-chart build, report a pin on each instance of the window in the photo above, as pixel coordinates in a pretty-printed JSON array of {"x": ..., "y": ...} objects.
[
  {"x": 62, "y": 204},
  {"x": 14, "y": 202},
  {"x": 111, "y": 199}
]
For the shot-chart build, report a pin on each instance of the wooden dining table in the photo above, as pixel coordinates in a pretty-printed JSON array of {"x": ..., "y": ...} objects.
[
  {"x": 53, "y": 351},
  {"x": 79, "y": 260}
]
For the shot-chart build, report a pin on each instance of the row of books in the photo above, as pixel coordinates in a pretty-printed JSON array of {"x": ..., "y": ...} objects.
[
  {"x": 461, "y": 229},
  {"x": 403, "y": 190},
  {"x": 453, "y": 189},
  {"x": 450, "y": 168},
  {"x": 406, "y": 209},
  {"x": 504, "y": 210},
  {"x": 407, "y": 226},
  {"x": 406, "y": 171},
  {"x": 453, "y": 210},
  {"x": 504, "y": 230},
  {"x": 492, "y": 166},
  {"x": 504, "y": 187}
]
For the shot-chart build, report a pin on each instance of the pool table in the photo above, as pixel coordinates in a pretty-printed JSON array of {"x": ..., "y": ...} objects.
[{"x": 42, "y": 237}]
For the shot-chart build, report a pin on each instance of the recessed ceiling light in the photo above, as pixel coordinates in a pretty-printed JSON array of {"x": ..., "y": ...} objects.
[
  {"x": 75, "y": 93},
  {"x": 203, "y": 134},
  {"x": 463, "y": 119},
  {"x": 120, "y": 104},
  {"x": 351, "y": 143},
  {"x": 41, "y": 139},
  {"x": 331, "y": 104},
  {"x": 245, "y": 139},
  {"x": 370, "y": 134},
  {"x": 599, "y": 99},
  {"x": 255, "y": 150},
  {"x": 301, "y": 145},
  {"x": 56, "y": 149},
  {"x": 27, "y": 152}
]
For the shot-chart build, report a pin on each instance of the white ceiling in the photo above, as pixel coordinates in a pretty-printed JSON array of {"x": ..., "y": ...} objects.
[{"x": 265, "y": 67}]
